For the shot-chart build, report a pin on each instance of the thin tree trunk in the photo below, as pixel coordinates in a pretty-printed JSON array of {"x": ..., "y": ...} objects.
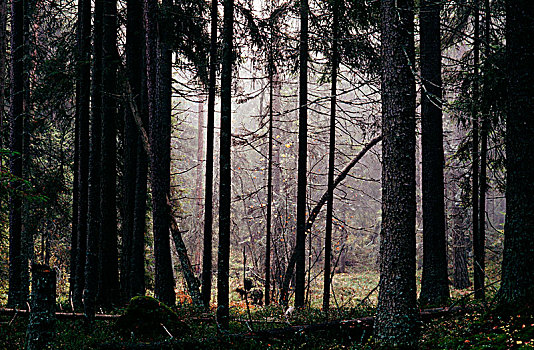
[
  {"x": 478, "y": 250},
  {"x": 396, "y": 317},
  {"x": 207, "y": 259},
  {"x": 83, "y": 96},
  {"x": 225, "y": 191},
  {"x": 434, "y": 282},
  {"x": 302, "y": 157},
  {"x": 484, "y": 147},
  {"x": 331, "y": 161},
  {"x": 267, "y": 267},
  {"x": 3, "y": 42}
]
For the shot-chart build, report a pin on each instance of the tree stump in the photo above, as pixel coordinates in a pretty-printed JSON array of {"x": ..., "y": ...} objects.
[{"x": 41, "y": 327}]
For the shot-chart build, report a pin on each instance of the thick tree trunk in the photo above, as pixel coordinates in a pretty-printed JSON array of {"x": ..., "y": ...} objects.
[
  {"x": 83, "y": 88},
  {"x": 302, "y": 157},
  {"x": 397, "y": 310},
  {"x": 109, "y": 291},
  {"x": 17, "y": 296},
  {"x": 207, "y": 258},
  {"x": 158, "y": 83},
  {"x": 435, "y": 282},
  {"x": 92, "y": 263},
  {"x": 459, "y": 245},
  {"x": 331, "y": 160},
  {"x": 517, "y": 288},
  {"x": 134, "y": 275},
  {"x": 225, "y": 191}
]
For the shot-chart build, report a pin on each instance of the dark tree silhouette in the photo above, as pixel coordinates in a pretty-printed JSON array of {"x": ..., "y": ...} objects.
[
  {"x": 225, "y": 193},
  {"x": 517, "y": 288},
  {"x": 207, "y": 254},
  {"x": 396, "y": 317},
  {"x": 17, "y": 294},
  {"x": 158, "y": 84},
  {"x": 300, "y": 245},
  {"x": 435, "y": 282}
]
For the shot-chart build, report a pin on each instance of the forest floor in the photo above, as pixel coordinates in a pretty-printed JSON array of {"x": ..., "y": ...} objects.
[{"x": 473, "y": 326}]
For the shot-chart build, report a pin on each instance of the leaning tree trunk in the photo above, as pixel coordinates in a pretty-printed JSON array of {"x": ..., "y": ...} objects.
[
  {"x": 517, "y": 288},
  {"x": 434, "y": 282},
  {"x": 396, "y": 317}
]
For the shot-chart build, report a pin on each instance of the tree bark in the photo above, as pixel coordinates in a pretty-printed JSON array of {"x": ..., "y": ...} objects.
[
  {"x": 135, "y": 61},
  {"x": 478, "y": 245},
  {"x": 83, "y": 95},
  {"x": 331, "y": 159},
  {"x": 207, "y": 254},
  {"x": 92, "y": 263},
  {"x": 158, "y": 83},
  {"x": 225, "y": 190},
  {"x": 41, "y": 327},
  {"x": 396, "y": 317},
  {"x": 109, "y": 291},
  {"x": 434, "y": 282},
  {"x": 17, "y": 296},
  {"x": 517, "y": 288},
  {"x": 302, "y": 157}
]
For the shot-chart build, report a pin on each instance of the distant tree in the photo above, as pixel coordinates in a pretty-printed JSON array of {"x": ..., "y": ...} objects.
[
  {"x": 225, "y": 191},
  {"x": 300, "y": 246},
  {"x": 517, "y": 288},
  {"x": 396, "y": 317},
  {"x": 17, "y": 295},
  {"x": 435, "y": 281}
]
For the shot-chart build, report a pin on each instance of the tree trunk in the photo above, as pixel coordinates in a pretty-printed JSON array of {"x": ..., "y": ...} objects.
[
  {"x": 3, "y": 42},
  {"x": 109, "y": 291},
  {"x": 17, "y": 295},
  {"x": 459, "y": 244},
  {"x": 41, "y": 327},
  {"x": 397, "y": 310},
  {"x": 517, "y": 288},
  {"x": 268, "y": 225},
  {"x": 331, "y": 160},
  {"x": 83, "y": 88},
  {"x": 92, "y": 263},
  {"x": 435, "y": 282},
  {"x": 302, "y": 157},
  {"x": 225, "y": 191},
  {"x": 207, "y": 259},
  {"x": 478, "y": 245},
  {"x": 136, "y": 60},
  {"x": 158, "y": 83}
]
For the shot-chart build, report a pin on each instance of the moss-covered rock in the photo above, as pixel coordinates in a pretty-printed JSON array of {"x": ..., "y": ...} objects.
[{"x": 148, "y": 318}]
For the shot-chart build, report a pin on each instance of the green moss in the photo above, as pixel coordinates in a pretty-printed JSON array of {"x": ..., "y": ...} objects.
[{"x": 148, "y": 318}]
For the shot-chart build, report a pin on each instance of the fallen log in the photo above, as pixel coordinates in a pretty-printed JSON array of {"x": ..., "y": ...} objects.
[{"x": 59, "y": 315}]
